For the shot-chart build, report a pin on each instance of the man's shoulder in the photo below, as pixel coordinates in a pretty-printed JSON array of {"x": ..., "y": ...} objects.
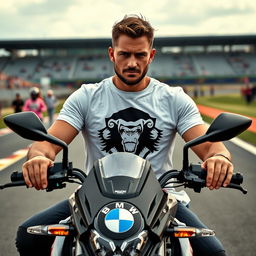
[
  {"x": 166, "y": 87},
  {"x": 90, "y": 89},
  {"x": 103, "y": 82}
]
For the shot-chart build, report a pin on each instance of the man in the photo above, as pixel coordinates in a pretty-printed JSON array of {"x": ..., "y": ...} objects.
[
  {"x": 35, "y": 103},
  {"x": 17, "y": 103},
  {"x": 50, "y": 101},
  {"x": 145, "y": 115}
]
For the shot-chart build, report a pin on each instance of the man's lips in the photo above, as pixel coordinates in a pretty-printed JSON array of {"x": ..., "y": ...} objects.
[{"x": 131, "y": 71}]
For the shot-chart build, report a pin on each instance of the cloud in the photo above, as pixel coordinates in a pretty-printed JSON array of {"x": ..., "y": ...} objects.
[
  {"x": 48, "y": 7},
  {"x": 207, "y": 17},
  {"x": 194, "y": 12},
  {"x": 95, "y": 18}
]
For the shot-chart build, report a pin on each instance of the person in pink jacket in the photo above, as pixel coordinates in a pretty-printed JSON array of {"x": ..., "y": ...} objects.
[{"x": 35, "y": 103}]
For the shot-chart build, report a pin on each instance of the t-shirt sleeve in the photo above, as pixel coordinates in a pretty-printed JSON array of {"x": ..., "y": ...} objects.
[
  {"x": 74, "y": 109},
  {"x": 188, "y": 113}
]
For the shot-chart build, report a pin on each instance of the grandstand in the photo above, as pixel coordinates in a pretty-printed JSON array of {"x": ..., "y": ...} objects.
[{"x": 212, "y": 59}]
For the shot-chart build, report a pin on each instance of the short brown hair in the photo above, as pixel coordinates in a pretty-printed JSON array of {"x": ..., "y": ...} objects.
[{"x": 133, "y": 26}]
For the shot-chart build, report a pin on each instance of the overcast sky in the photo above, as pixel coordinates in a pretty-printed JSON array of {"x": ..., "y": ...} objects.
[{"x": 44, "y": 19}]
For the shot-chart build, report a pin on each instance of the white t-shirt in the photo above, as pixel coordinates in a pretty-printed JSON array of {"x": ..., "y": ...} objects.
[{"x": 143, "y": 123}]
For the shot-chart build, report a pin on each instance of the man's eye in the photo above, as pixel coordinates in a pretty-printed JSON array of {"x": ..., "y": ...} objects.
[
  {"x": 123, "y": 53},
  {"x": 141, "y": 55}
]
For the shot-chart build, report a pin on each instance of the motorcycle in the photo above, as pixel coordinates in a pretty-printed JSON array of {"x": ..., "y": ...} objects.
[{"x": 121, "y": 208}]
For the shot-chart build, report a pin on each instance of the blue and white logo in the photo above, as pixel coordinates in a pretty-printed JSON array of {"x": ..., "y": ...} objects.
[{"x": 119, "y": 220}]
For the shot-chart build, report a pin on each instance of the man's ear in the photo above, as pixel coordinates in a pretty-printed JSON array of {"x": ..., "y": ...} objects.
[
  {"x": 111, "y": 54},
  {"x": 152, "y": 54}
]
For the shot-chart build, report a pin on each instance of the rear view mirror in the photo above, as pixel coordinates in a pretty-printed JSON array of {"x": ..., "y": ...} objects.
[
  {"x": 224, "y": 127},
  {"x": 29, "y": 126}
]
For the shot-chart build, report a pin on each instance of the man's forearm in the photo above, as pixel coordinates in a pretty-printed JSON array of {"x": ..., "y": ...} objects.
[
  {"x": 44, "y": 148},
  {"x": 217, "y": 148}
]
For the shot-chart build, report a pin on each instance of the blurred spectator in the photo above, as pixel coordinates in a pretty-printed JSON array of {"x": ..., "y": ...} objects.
[
  {"x": 35, "y": 103},
  {"x": 253, "y": 92},
  {"x": 17, "y": 103},
  {"x": 195, "y": 92},
  {"x": 247, "y": 93},
  {"x": 202, "y": 90},
  {"x": 51, "y": 102},
  {"x": 212, "y": 90}
]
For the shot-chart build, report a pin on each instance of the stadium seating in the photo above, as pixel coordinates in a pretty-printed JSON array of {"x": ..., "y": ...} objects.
[
  {"x": 167, "y": 65},
  {"x": 93, "y": 67},
  {"x": 243, "y": 63},
  {"x": 98, "y": 66},
  {"x": 212, "y": 65}
]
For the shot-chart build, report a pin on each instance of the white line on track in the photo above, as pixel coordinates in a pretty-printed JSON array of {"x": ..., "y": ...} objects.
[
  {"x": 13, "y": 158},
  {"x": 242, "y": 144}
]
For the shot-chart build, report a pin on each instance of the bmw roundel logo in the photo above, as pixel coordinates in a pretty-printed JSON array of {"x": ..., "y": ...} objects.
[{"x": 119, "y": 220}]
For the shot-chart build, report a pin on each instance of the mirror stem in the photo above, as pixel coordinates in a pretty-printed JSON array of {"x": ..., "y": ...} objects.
[
  {"x": 190, "y": 144},
  {"x": 64, "y": 146},
  {"x": 65, "y": 158},
  {"x": 185, "y": 157}
]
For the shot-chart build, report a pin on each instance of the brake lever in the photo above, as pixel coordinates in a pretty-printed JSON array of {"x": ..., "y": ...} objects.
[
  {"x": 13, "y": 184},
  {"x": 238, "y": 187}
]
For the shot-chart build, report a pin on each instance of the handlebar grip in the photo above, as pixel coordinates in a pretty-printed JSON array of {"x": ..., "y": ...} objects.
[
  {"x": 17, "y": 176},
  {"x": 237, "y": 178}
]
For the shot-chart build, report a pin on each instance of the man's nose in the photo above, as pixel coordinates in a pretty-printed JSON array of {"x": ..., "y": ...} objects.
[{"x": 132, "y": 62}]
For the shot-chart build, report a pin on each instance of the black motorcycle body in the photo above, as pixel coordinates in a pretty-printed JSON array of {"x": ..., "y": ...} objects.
[{"x": 121, "y": 208}]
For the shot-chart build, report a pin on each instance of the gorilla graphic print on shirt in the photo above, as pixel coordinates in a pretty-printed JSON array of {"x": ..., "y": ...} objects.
[{"x": 130, "y": 130}]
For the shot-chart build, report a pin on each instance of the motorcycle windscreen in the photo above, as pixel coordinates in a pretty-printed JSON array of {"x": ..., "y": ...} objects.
[
  {"x": 122, "y": 174},
  {"x": 122, "y": 164}
]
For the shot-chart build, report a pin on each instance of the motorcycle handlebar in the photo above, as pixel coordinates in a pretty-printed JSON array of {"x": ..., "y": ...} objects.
[
  {"x": 237, "y": 178},
  {"x": 194, "y": 177},
  {"x": 57, "y": 176},
  {"x": 16, "y": 176},
  {"x": 53, "y": 172}
]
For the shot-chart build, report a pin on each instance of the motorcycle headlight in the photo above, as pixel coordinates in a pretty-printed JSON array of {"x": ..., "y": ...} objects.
[{"x": 104, "y": 246}]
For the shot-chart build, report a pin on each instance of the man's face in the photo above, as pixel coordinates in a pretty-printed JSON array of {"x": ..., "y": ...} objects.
[{"x": 131, "y": 57}]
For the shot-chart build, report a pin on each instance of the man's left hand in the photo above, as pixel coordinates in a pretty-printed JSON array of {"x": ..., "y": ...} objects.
[{"x": 219, "y": 171}]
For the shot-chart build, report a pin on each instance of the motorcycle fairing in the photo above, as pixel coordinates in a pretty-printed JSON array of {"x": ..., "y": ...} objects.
[{"x": 142, "y": 191}]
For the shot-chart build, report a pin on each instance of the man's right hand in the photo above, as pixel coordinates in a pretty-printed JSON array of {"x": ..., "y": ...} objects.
[
  {"x": 42, "y": 153},
  {"x": 35, "y": 172}
]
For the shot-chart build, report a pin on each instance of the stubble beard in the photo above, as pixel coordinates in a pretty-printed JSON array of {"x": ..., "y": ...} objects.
[{"x": 131, "y": 83}]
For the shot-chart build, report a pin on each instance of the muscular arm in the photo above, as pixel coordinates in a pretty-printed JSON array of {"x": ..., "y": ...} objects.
[
  {"x": 219, "y": 169},
  {"x": 42, "y": 154}
]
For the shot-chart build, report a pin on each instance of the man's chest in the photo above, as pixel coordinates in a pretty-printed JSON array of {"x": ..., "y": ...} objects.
[{"x": 131, "y": 129}]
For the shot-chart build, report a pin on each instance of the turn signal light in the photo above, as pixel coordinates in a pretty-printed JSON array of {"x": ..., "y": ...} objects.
[
  {"x": 59, "y": 230},
  {"x": 187, "y": 232},
  {"x": 51, "y": 230},
  {"x": 184, "y": 232}
]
